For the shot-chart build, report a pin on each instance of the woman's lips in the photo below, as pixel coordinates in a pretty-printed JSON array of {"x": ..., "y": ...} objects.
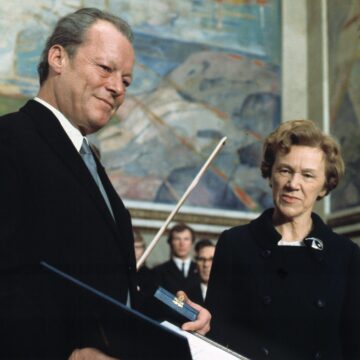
[{"x": 289, "y": 198}]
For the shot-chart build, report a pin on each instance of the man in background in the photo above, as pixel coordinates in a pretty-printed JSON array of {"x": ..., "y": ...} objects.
[
  {"x": 56, "y": 203},
  {"x": 180, "y": 271},
  {"x": 144, "y": 273},
  {"x": 204, "y": 254}
]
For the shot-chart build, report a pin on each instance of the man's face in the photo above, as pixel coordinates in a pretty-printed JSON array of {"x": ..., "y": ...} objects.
[
  {"x": 139, "y": 248},
  {"x": 204, "y": 260},
  {"x": 181, "y": 244},
  {"x": 90, "y": 86}
]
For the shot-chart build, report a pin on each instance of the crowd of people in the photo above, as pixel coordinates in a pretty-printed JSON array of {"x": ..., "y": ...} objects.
[{"x": 282, "y": 287}]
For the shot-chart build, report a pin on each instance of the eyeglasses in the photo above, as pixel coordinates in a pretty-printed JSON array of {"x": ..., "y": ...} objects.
[{"x": 204, "y": 260}]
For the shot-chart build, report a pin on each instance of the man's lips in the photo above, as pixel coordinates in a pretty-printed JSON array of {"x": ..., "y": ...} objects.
[{"x": 110, "y": 104}]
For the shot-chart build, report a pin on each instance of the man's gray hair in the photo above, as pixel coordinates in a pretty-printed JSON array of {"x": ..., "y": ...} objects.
[{"x": 70, "y": 32}]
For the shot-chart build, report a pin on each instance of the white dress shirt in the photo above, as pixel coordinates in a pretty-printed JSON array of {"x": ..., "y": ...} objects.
[
  {"x": 179, "y": 263},
  {"x": 72, "y": 131}
]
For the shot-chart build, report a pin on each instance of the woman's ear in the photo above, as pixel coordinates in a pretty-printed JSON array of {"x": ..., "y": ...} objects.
[{"x": 322, "y": 193}]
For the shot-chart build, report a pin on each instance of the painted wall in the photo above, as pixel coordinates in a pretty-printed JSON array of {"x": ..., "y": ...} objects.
[
  {"x": 344, "y": 61},
  {"x": 205, "y": 69}
]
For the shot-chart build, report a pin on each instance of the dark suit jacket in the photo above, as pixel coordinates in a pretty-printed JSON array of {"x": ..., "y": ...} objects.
[
  {"x": 285, "y": 302},
  {"x": 171, "y": 278},
  {"x": 168, "y": 276},
  {"x": 52, "y": 210}
]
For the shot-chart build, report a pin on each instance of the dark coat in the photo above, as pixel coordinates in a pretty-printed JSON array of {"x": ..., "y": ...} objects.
[
  {"x": 284, "y": 302},
  {"x": 52, "y": 210},
  {"x": 197, "y": 296}
]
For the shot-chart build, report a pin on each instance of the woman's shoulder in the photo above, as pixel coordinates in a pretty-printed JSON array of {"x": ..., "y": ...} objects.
[
  {"x": 235, "y": 232},
  {"x": 249, "y": 230},
  {"x": 337, "y": 244}
]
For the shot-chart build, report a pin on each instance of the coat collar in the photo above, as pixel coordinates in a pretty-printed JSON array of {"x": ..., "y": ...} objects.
[{"x": 267, "y": 237}]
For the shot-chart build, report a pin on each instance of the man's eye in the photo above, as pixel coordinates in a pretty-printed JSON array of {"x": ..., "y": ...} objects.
[
  {"x": 284, "y": 171},
  {"x": 126, "y": 83},
  {"x": 105, "y": 68}
]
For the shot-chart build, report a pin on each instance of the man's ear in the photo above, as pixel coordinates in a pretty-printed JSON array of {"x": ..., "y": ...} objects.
[{"x": 57, "y": 57}]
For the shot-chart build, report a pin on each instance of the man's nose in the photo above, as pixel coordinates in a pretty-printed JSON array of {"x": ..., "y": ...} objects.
[{"x": 116, "y": 85}]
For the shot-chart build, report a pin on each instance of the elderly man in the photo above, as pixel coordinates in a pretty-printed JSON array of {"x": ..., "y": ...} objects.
[
  {"x": 57, "y": 204},
  {"x": 204, "y": 250}
]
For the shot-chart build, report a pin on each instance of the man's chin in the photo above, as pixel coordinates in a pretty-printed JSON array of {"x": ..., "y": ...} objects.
[{"x": 96, "y": 125}]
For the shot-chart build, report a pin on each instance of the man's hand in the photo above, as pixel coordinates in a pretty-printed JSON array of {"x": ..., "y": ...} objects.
[
  {"x": 89, "y": 354},
  {"x": 202, "y": 324}
]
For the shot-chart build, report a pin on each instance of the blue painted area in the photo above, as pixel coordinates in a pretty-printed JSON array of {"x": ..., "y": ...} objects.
[
  {"x": 145, "y": 80},
  {"x": 251, "y": 28},
  {"x": 163, "y": 55},
  {"x": 197, "y": 64},
  {"x": 30, "y": 42}
]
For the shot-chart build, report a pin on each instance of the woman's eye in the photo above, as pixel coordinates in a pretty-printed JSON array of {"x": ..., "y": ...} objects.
[{"x": 309, "y": 176}]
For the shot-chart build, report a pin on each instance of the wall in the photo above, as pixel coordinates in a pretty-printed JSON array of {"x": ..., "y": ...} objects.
[{"x": 306, "y": 83}]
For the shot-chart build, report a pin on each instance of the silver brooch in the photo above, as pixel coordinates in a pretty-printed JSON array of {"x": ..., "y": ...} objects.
[{"x": 315, "y": 243}]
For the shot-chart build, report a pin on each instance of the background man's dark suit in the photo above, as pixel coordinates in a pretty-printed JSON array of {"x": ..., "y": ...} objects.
[
  {"x": 52, "y": 210},
  {"x": 171, "y": 278},
  {"x": 168, "y": 276}
]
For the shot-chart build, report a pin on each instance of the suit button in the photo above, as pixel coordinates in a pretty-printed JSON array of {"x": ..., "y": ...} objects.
[
  {"x": 267, "y": 299},
  {"x": 266, "y": 253},
  {"x": 320, "y": 303},
  {"x": 318, "y": 356},
  {"x": 265, "y": 351}
]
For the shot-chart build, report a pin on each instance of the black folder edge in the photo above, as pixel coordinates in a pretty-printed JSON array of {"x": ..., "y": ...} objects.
[{"x": 110, "y": 299}]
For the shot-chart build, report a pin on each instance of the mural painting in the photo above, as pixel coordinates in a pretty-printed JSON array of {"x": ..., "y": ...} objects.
[
  {"x": 344, "y": 59},
  {"x": 205, "y": 69}
]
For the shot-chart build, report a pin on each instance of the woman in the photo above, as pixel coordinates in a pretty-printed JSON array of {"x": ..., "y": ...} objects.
[{"x": 285, "y": 286}]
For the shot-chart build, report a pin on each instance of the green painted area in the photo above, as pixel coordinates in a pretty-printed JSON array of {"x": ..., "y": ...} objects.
[{"x": 11, "y": 104}]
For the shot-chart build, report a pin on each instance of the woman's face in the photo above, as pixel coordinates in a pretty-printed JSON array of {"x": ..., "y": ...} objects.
[{"x": 297, "y": 180}]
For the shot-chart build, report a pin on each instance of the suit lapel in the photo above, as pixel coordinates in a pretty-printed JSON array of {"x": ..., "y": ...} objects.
[
  {"x": 193, "y": 271},
  {"x": 54, "y": 135},
  {"x": 175, "y": 271},
  {"x": 119, "y": 210}
]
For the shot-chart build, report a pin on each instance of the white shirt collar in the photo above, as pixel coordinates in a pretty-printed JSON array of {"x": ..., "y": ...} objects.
[
  {"x": 290, "y": 243},
  {"x": 179, "y": 262},
  {"x": 203, "y": 288},
  {"x": 72, "y": 132}
]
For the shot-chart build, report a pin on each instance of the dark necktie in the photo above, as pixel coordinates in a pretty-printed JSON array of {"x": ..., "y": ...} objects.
[
  {"x": 89, "y": 160},
  {"x": 183, "y": 269}
]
